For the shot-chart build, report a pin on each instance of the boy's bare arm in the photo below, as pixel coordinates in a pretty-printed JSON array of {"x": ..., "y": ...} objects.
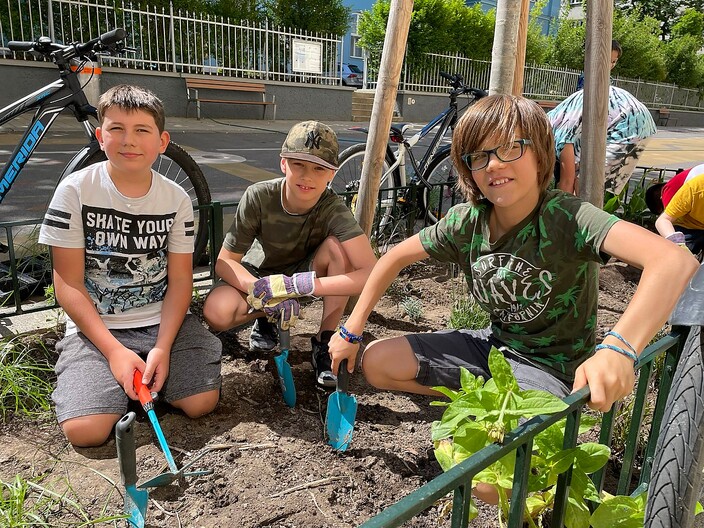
[
  {"x": 361, "y": 256},
  {"x": 71, "y": 293},
  {"x": 173, "y": 311},
  {"x": 667, "y": 270},
  {"x": 229, "y": 268},
  {"x": 383, "y": 274}
]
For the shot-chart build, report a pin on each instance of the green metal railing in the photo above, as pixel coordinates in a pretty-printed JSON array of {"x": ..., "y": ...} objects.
[{"x": 458, "y": 479}]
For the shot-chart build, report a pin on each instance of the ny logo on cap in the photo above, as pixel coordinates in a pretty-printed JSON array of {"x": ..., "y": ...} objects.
[{"x": 313, "y": 140}]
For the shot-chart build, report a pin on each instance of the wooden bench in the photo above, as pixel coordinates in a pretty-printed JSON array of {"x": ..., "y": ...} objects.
[
  {"x": 195, "y": 85},
  {"x": 664, "y": 117}
]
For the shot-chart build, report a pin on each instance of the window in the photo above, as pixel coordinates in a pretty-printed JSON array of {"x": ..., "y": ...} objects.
[{"x": 355, "y": 50}]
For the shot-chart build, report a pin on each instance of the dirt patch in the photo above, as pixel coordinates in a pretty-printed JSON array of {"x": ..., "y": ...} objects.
[{"x": 261, "y": 450}]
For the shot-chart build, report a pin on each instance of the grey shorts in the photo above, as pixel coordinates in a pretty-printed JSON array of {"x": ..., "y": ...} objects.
[
  {"x": 86, "y": 386},
  {"x": 441, "y": 354}
]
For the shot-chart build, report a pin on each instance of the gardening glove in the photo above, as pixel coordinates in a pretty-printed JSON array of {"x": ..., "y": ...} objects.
[
  {"x": 678, "y": 238},
  {"x": 286, "y": 309},
  {"x": 284, "y": 287}
]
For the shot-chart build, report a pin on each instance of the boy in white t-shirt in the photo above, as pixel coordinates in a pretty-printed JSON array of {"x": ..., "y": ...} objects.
[{"x": 121, "y": 238}]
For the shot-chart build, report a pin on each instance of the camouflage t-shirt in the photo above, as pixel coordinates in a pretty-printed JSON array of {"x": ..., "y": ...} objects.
[
  {"x": 278, "y": 242},
  {"x": 539, "y": 282}
]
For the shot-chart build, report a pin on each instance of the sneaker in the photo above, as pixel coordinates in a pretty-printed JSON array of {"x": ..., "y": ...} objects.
[
  {"x": 322, "y": 363},
  {"x": 264, "y": 336}
]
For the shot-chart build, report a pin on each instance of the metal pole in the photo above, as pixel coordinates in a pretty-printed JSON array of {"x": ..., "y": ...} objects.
[{"x": 172, "y": 34}]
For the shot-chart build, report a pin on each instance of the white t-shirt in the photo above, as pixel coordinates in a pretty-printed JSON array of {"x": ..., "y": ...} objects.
[{"x": 126, "y": 241}]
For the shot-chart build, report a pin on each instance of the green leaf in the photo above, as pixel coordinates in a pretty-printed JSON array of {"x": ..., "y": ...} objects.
[
  {"x": 619, "y": 512},
  {"x": 443, "y": 454},
  {"x": 537, "y": 402},
  {"x": 612, "y": 204},
  {"x": 501, "y": 372},
  {"x": 469, "y": 382},
  {"x": 451, "y": 394},
  {"x": 577, "y": 512},
  {"x": 592, "y": 456},
  {"x": 472, "y": 437}
]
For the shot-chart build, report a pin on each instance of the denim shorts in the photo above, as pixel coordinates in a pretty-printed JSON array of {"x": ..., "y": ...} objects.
[
  {"x": 441, "y": 354},
  {"x": 85, "y": 385}
]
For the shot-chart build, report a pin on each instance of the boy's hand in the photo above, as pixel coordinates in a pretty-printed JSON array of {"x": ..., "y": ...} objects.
[
  {"x": 157, "y": 369},
  {"x": 341, "y": 349},
  {"x": 284, "y": 312},
  {"x": 284, "y": 287},
  {"x": 122, "y": 365},
  {"x": 610, "y": 377}
]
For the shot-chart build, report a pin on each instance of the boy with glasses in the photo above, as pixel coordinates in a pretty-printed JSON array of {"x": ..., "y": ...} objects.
[{"x": 531, "y": 259}]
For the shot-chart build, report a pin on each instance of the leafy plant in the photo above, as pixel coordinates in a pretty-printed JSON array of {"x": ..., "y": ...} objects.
[
  {"x": 412, "y": 307},
  {"x": 25, "y": 386},
  {"x": 629, "y": 207},
  {"x": 481, "y": 413}
]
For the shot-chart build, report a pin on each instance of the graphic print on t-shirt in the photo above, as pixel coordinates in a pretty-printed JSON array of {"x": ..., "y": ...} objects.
[
  {"x": 516, "y": 290},
  {"x": 133, "y": 248}
]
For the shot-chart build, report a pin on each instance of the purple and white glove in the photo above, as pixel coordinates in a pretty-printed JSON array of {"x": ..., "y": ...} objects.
[
  {"x": 283, "y": 312},
  {"x": 676, "y": 237},
  {"x": 284, "y": 287}
]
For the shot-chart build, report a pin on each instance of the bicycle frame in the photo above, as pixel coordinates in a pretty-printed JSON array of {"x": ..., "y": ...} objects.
[
  {"x": 49, "y": 102},
  {"x": 446, "y": 120}
]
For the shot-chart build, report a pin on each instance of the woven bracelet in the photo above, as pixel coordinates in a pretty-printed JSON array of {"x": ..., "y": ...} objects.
[
  {"x": 622, "y": 339},
  {"x": 626, "y": 353},
  {"x": 349, "y": 336}
]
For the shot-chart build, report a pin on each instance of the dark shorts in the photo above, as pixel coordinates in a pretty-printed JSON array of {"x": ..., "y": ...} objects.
[
  {"x": 86, "y": 386},
  {"x": 441, "y": 354},
  {"x": 693, "y": 238}
]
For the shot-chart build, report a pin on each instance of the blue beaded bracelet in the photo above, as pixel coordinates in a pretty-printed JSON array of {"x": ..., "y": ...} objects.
[
  {"x": 349, "y": 336},
  {"x": 626, "y": 353}
]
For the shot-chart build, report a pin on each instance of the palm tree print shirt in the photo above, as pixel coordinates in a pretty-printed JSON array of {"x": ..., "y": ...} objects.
[{"x": 539, "y": 282}]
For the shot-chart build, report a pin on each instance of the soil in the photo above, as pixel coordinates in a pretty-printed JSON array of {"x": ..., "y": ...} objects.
[{"x": 271, "y": 465}]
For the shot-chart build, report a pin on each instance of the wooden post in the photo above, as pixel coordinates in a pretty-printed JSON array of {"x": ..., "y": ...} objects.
[
  {"x": 521, "y": 48},
  {"x": 382, "y": 110},
  {"x": 596, "y": 101},
  {"x": 503, "y": 53}
]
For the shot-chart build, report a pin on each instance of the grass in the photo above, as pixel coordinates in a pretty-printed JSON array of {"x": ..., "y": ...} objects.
[
  {"x": 24, "y": 502},
  {"x": 26, "y": 377},
  {"x": 466, "y": 313}
]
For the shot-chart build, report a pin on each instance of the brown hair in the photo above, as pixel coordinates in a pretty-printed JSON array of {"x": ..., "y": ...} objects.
[
  {"x": 131, "y": 98},
  {"x": 497, "y": 118}
]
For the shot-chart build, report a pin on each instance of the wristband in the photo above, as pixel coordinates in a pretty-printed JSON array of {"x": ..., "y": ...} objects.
[
  {"x": 622, "y": 339},
  {"x": 626, "y": 353},
  {"x": 349, "y": 336}
]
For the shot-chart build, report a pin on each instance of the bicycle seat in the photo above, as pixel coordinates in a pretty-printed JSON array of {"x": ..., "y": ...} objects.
[{"x": 397, "y": 131}]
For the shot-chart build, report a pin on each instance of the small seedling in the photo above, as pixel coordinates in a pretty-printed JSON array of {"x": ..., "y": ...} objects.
[{"x": 413, "y": 308}]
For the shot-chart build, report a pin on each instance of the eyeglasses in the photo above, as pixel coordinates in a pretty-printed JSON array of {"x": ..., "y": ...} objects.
[{"x": 511, "y": 152}]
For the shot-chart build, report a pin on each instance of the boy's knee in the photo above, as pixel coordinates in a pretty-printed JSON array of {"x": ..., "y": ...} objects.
[
  {"x": 89, "y": 431},
  {"x": 371, "y": 365},
  {"x": 332, "y": 253},
  {"x": 199, "y": 404}
]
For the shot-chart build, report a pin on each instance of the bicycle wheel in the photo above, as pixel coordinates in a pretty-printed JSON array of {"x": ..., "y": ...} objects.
[
  {"x": 176, "y": 165},
  {"x": 676, "y": 478},
  {"x": 442, "y": 176},
  {"x": 388, "y": 225}
]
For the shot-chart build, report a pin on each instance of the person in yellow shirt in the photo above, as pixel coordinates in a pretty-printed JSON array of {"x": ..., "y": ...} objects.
[{"x": 682, "y": 221}]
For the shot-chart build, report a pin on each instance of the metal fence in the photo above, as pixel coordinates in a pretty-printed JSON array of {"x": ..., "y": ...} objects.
[
  {"x": 540, "y": 81},
  {"x": 176, "y": 41}
]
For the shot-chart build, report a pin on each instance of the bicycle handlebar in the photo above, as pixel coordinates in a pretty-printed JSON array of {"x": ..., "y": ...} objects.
[
  {"x": 459, "y": 88},
  {"x": 106, "y": 43}
]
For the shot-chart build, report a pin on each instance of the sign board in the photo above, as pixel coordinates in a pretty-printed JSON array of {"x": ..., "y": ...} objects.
[{"x": 307, "y": 56}]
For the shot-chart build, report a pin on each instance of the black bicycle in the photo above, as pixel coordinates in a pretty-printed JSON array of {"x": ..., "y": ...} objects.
[
  {"x": 67, "y": 93},
  {"x": 427, "y": 190}
]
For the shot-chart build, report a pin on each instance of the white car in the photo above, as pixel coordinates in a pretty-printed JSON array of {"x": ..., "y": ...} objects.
[{"x": 352, "y": 75}]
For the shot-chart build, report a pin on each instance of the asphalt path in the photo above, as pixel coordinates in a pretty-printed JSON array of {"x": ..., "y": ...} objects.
[{"x": 230, "y": 161}]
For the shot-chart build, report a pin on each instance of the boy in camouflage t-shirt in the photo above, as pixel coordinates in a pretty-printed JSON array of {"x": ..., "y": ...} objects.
[
  {"x": 291, "y": 238},
  {"x": 531, "y": 260}
]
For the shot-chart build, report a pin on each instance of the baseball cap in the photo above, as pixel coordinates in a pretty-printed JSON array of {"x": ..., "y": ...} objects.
[{"x": 312, "y": 141}]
